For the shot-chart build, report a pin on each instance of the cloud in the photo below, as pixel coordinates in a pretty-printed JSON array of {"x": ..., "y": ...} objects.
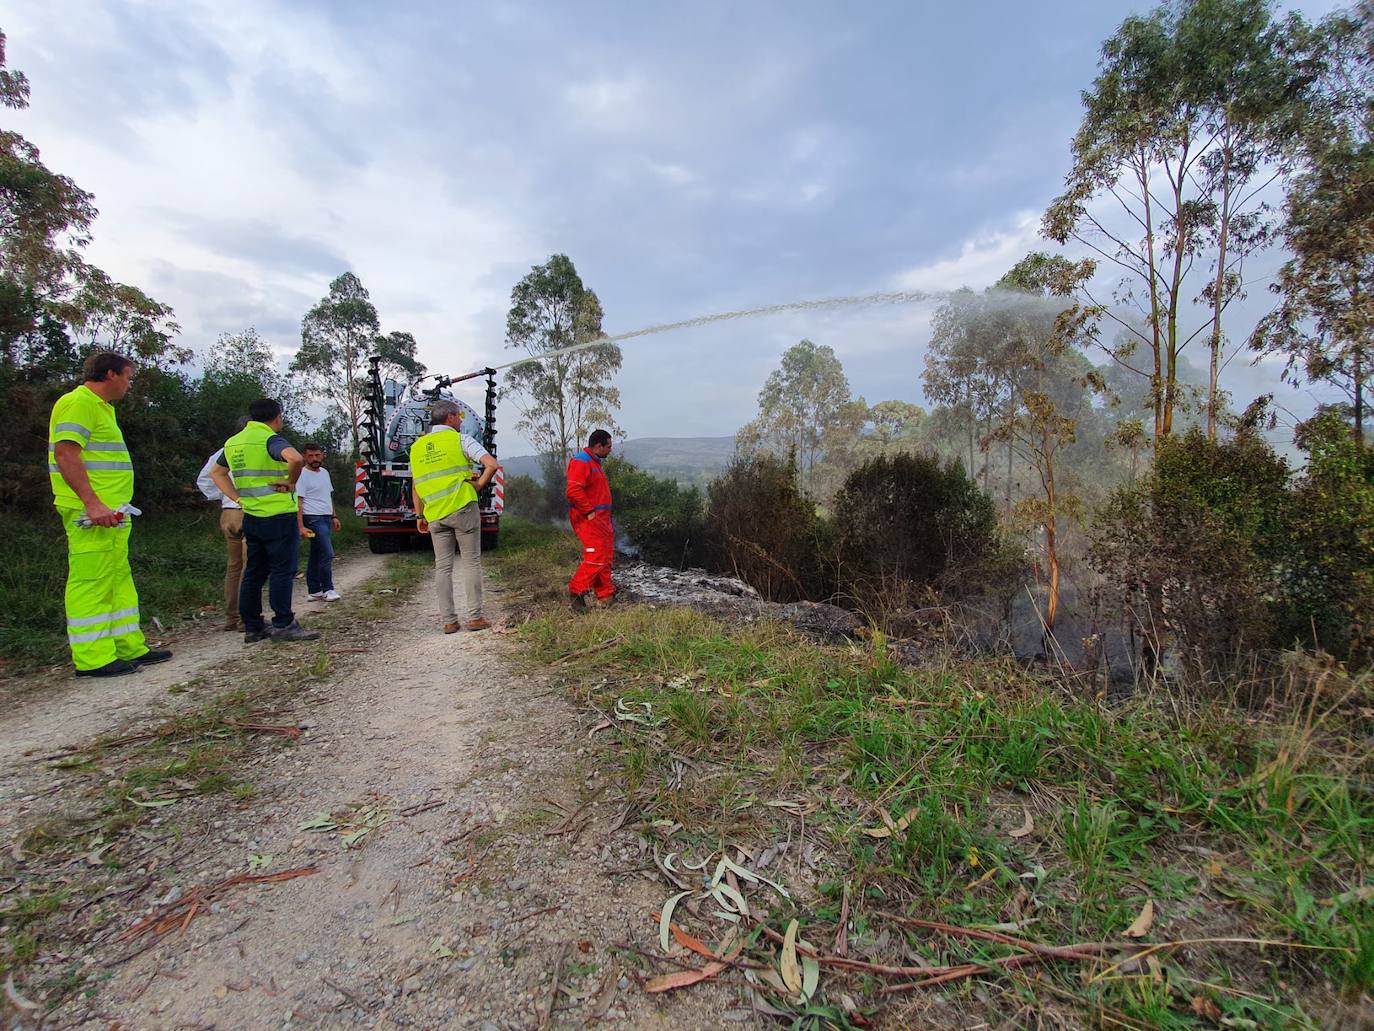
[
  {"x": 800, "y": 167},
  {"x": 982, "y": 258},
  {"x": 672, "y": 173},
  {"x": 607, "y": 103},
  {"x": 690, "y": 159},
  {"x": 260, "y": 243}
]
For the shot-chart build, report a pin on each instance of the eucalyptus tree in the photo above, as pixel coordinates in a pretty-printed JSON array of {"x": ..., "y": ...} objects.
[
  {"x": 561, "y": 397},
  {"x": 1324, "y": 324},
  {"x": 337, "y": 336},
  {"x": 804, "y": 408},
  {"x": 397, "y": 353},
  {"x": 963, "y": 372},
  {"x": 1013, "y": 351},
  {"x": 52, "y": 301},
  {"x": 1191, "y": 116}
]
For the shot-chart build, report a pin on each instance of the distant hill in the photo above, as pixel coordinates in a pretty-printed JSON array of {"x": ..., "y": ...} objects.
[{"x": 688, "y": 459}]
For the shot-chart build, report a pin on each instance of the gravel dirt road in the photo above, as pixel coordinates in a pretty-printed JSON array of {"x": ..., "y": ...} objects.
[{"x": 468, "y": 871}]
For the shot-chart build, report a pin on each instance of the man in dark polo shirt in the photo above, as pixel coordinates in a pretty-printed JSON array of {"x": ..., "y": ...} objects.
[{"x": 259, "y": 469}]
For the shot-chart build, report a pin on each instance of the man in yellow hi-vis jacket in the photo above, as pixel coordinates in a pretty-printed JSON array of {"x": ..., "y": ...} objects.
[
  {"x": 92, "y": 478},
  {"x": 258, "y": 469},
  {"x": 444, "y": 492}
]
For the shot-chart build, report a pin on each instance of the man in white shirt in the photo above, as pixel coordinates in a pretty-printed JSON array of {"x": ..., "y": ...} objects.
[
  {"x": 231, "y": 525},
  {"x": 317, "y": 521}
]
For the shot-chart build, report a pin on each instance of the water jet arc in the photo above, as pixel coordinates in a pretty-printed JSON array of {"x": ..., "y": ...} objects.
[{"x": 818, "y": 304}]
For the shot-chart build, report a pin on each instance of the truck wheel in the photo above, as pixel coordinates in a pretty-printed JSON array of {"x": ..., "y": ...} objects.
[
  {"x": 383, "y": 543},
  {"x": 491, "y": 540}
]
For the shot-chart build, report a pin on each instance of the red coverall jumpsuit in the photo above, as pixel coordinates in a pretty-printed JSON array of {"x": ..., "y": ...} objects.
[{"x": 589, "y": 511}]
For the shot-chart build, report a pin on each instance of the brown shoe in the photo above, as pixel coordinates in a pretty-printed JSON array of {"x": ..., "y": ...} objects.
[
  {"x": 452, "y": 628},
  {"x": 233, "y": 626},
  {"x": 577, "y": 602},
  {"x": 477, "y": 624}
]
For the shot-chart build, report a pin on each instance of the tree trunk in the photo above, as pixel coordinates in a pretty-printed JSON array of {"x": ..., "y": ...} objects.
[
  {"x": 1359, "y": 393},
  {"x": 1175, "y": 287},
  {"x": 1357, "y": 369},
  {"x": 987, "y": 460},
  {"x": 1006, "y": 499},
  {"x": 1051, "y": 544},
  {"x": 972, "y": 425},
  {"x": 1156, "y": 344},
  {"x": 1218, "y": 286}
]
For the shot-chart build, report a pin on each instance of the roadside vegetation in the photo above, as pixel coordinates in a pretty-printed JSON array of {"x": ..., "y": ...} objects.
[
  {"x": 1232, "y": 842},
  {"x": 178, "y": 563}
]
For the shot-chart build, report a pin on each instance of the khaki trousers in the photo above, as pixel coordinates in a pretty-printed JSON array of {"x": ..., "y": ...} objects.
[
  {"x": 231, "y": 525},
  {"x": 458, "y": 532}
]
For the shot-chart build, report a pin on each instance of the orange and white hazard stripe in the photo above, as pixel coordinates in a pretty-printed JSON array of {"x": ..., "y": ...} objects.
[
  {"x": 360, "y": 489},
  {"x": 498, "y": 490}
]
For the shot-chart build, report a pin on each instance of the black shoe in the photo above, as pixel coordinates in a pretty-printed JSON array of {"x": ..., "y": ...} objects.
[
  {"x": 577, "y": 602},
  {"x": 150, "y": 657},
  {"x": 294, "y": 632},
  {"x": 114, "y": 668},
  {"x": 253, "y": 636}
]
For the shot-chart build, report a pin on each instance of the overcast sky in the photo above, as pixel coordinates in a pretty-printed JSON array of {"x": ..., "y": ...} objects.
[{"x": 689, "y": 158}]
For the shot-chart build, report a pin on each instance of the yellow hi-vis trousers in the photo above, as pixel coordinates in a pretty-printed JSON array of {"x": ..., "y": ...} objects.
[{"x": 102, "y": 604}]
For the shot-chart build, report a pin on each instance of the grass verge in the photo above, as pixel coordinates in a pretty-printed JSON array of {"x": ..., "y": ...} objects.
[
  {"x": 178, "y": 563},
  {"x": 975, "y": 794}
]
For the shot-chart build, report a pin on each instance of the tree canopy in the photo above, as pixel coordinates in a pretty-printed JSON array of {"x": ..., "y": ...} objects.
[{"x": 561, "y": 397}]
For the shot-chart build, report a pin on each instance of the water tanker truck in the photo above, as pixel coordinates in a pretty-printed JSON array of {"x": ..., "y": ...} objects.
[{"x": 394, "y": 415}]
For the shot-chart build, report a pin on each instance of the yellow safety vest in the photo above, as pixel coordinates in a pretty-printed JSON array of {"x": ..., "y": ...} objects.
[
  {"x": 441, "y": 473},
  {"x": 254, "y": 471},
  {"x": 85, "y": 418}
]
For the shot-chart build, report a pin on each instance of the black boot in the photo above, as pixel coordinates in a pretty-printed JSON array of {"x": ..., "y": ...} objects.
[
  {"x": 114, "y": 668},
  {"x": 294, "y": 632}
]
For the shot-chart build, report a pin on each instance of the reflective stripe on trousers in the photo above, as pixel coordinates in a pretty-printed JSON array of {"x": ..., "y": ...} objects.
[{"x": 101, "y": 601}]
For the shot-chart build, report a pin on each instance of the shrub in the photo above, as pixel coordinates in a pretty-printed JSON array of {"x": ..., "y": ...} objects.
[
  {"x": 909, "y": 525},
  {"x": 524, "y": 497},
  {"x": 660, "y": 518},
  {"x": 762, "y": 527},
  {"x": 1198, "y": 547},
  {"x": 1329, "y": 582}
]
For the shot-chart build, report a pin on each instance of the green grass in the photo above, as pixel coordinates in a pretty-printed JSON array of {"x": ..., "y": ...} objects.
[
  {"x": 1234, "y": 824},
  {"x": 178, "y": 564},
  {"x": 535, "y": 560}
]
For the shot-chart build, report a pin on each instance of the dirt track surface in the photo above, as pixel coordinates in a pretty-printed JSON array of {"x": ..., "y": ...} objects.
[
  {"x": 454, "y": 907},
  {"x": 59, "y": 708}
]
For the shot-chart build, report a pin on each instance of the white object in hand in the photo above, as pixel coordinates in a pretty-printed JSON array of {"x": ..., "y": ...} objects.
[{"x": 84, "y": 521}]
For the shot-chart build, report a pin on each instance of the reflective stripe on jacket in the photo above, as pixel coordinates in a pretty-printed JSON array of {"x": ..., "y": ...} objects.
[
  {"x": 441, "y": 472},
  {"x": 255, "y": 470},
  {"x": 84, "y": 418}
]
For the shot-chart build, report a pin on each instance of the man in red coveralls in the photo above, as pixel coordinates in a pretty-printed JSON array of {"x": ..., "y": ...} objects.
[{"x": 589, "y": 511}]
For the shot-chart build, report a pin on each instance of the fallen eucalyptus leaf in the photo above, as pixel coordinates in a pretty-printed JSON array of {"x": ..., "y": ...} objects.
[
  {"x": 666, "y": 917},
  {"x": 682, "y": 978},
  {"x": 156, "y": 803},
  {"x": 319, "y": 822},
  {"x": 890, "y": 826},
  {"x": 811, "y": 972},
  {"x": 1026, "y": 827},
  {"x": 1140, "y": 927},
  {"x": 791, "y": 973},
  {"x": 18, "y": 1000}
]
